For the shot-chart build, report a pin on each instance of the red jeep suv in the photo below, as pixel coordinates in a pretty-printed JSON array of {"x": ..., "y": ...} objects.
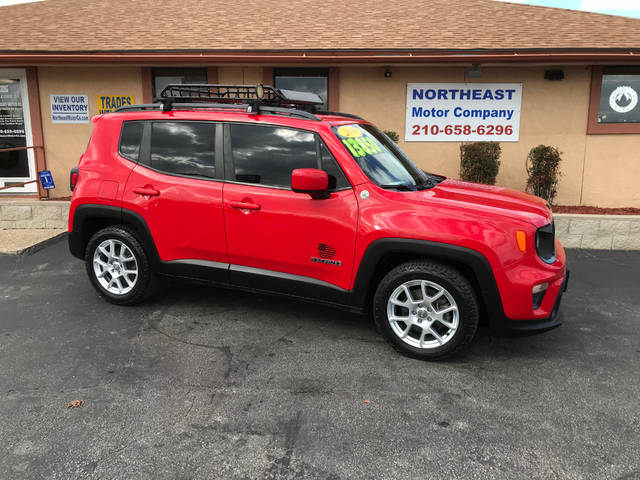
[{"x": 253, "y": 188}]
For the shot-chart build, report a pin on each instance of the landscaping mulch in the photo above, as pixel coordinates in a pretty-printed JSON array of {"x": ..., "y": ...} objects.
[{"x": 595, "y": 210}]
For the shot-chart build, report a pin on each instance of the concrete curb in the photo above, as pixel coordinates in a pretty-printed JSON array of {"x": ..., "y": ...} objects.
[
  {"x": 31, "y": 249},
  {"x": 43, "y": 244},
  {"x": 598, "y": 232}
]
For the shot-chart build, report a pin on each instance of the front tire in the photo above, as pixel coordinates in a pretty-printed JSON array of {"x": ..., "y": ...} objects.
[
  {"x": 426, "y": 310},
  {"x": 118, "y": 266}
]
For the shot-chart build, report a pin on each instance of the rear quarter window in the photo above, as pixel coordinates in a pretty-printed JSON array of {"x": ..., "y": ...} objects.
[{"x": 130, "y": 139}]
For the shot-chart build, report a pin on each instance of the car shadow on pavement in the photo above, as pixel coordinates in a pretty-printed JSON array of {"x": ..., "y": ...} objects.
[{"x": 206, "y": 305}]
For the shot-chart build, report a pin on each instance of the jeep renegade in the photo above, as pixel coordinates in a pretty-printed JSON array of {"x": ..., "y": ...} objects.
[{"x": 253, "y": 188}]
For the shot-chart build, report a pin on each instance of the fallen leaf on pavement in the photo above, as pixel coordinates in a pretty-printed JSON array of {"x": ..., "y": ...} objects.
[{"x": 75, "y": 404}]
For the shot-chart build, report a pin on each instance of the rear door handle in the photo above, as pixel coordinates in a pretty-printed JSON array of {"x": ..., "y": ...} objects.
[
  {"x": 151, "y": 192},
  {"x": 245, "y": 205}
]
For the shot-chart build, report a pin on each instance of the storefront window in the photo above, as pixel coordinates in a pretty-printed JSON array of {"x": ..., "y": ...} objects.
[
  {"x": 166, "y": 76},
  {"x": 315, "y": 80},
  {"x": 12, "y": 130},
  {"x": 614, "y": 106},
  {"x": 619, "y": 95}
]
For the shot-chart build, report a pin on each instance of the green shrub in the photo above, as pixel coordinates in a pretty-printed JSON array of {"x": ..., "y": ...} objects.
[
  {"x": 392, "y": 135},
  {"x": 480, "y": 161},
  {"x": 543, "y": 168}
]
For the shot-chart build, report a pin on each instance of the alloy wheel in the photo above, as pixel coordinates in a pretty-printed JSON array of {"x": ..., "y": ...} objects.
[
  {"x": 423, "y": 314},
  {"x": 115, "y": 267}
]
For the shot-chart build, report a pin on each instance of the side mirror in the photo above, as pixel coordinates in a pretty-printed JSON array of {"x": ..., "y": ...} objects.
[{"x": 310, "y": 180}]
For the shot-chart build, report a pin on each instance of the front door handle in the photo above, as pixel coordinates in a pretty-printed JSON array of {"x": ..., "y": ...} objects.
[
  {"x": 245, "y": 205},
  {"x": 148, "y": 191}
]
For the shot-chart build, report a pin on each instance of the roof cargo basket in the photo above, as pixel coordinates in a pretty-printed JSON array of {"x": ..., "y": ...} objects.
[
  {"x": 254, "y": 98},
  {"x": 265, "y": 95}
]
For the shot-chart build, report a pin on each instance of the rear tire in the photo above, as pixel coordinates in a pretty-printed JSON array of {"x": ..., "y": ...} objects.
[
  {"x": 426, "y": 310},
  {"x": 118, "y": 266}
]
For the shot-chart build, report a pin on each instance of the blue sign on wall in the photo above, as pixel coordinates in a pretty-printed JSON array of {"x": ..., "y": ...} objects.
[{"x": 46, "y": 179}]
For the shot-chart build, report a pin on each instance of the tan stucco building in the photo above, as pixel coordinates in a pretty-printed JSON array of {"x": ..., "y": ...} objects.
[{"x": 567, "y": 64}]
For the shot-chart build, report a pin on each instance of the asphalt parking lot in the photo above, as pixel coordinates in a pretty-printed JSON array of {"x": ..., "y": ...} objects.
[{"x": 206, "y": 383}]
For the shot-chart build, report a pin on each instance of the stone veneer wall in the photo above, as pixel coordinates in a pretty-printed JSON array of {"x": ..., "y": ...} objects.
[
  {"x": 33, "y": 214},
  {"x": 602, "y": 232}
]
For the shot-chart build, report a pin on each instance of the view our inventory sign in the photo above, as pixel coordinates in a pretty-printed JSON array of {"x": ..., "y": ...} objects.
[
  {"x": 455, "y": 112},
  {"x": 69, "y": 108}
]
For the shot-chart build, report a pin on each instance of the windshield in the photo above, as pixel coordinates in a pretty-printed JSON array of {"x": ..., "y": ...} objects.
[{"x": 381, "y": 159}]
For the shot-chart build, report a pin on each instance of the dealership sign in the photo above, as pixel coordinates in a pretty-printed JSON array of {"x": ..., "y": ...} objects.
[
  {"x": 448, "y": 112},
  {"x": 69, "y": 108},
  {"x": 108, "y": 103}
]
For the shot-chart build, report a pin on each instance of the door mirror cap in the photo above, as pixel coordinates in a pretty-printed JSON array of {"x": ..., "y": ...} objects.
[{"x": 310, "y": 180}]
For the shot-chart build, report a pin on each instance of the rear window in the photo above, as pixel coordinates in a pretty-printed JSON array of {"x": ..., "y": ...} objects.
[
  {"x": 130, "y": 139},
  {"x": 183, "y": 148}
]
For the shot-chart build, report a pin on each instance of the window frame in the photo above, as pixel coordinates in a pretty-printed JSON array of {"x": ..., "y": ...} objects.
[
  {"x": 145, "y": 149},
  {"x": 229, "y": 161},
  {"x": 595, "y": 128}
]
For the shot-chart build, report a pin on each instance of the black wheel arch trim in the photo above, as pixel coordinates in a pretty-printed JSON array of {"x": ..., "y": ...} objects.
[
  {"x": 78, "y": 237},
  {"x": 472, "y": 259}
]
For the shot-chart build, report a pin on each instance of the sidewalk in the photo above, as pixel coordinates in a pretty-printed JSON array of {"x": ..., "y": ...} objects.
[
  {"x": 28, "y": 222},
  {"x": 20, "y": 239}
]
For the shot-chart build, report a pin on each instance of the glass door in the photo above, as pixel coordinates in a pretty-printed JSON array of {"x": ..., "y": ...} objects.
[{"x": 17, "y": 164}]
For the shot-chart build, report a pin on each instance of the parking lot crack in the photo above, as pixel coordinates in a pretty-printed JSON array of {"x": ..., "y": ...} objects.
[{"x": 281, "y": 466}]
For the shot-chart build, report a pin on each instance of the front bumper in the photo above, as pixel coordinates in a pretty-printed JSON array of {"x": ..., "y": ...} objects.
[{"x": 508, "y": 327}]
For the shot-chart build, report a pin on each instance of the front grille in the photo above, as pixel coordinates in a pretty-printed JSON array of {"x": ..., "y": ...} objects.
[{"x": 546, "y": 243}]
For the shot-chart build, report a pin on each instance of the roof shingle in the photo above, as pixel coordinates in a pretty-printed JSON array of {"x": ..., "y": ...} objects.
[{"x": 210, "y": 25}]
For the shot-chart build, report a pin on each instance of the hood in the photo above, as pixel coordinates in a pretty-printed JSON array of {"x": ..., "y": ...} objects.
[{"x": 510, "y": 202}]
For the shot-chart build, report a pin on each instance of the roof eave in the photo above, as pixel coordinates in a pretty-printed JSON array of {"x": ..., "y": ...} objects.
[{"x": 324, "y": 56}]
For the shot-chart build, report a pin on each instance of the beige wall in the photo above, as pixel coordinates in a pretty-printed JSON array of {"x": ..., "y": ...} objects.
[
  {"x": 553, "y": 113},
  {"x": 64, "y": 143},
  {"x": 240, "y": 75}
]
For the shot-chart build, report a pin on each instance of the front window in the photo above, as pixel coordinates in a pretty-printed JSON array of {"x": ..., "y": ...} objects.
[
  {"x": 266, "y": 155},
  {"x": 380, "y": 158}
]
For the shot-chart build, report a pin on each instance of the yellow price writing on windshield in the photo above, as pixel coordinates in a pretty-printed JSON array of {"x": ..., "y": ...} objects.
[
  {"x": 349, "y": 132},
  {"x": 359, "y": 147}
]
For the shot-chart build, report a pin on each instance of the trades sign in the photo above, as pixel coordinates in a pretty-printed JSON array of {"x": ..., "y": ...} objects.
[
  {"x": 69, "y": 108},
  {"x": 446, "y": 112},
  {"x": 108, "y": 103}
]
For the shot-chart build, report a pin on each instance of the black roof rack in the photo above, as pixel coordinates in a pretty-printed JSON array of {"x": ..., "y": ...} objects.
[
  {"x": 264, "y": 94},
  {"x": 251, "y": 98}
]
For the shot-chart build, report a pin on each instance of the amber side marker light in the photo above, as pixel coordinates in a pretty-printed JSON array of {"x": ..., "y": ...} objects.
[{"x": 521, "y": 238}]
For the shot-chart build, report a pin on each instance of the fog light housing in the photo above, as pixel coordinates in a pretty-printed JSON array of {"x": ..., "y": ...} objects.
[{"x": 538, "y": 294}]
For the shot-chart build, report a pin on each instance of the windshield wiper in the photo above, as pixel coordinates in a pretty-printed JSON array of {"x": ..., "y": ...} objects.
[
  {"x": 403, "y": 187},
  {"x": 431, "y": 180}
]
